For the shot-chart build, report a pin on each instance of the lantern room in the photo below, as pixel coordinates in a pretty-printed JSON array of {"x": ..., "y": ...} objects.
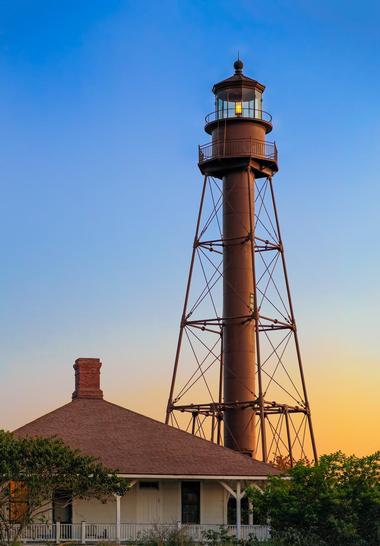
[
  {"x": 238, "y": 127},
  {"x": 239, "y": 98}
]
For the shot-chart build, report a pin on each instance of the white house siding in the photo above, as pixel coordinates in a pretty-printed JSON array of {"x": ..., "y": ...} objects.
[
  {"x": 212, "y": 502},
  {"x": 165, "y": 508},
  {"x": 128, "y": 506},
  {"x": 94, "y": 511},
  {"x": 171, "y": 501},
  {"x": 150, "y": 505}
]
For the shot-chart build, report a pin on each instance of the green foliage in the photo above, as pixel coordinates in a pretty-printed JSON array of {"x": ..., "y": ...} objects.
[
  {"x": 31, "y": 469},
  {"x": 161, "y": 535},
  {"x": 335, "y": 502},
  {"x": 217, "y": 537},
  {"x": 223, "y": 538}
]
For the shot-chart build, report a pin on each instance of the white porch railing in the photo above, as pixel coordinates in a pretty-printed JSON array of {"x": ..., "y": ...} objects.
[
  {"x": 129, "y": 532},
  {"x": 132, "y": 531}
]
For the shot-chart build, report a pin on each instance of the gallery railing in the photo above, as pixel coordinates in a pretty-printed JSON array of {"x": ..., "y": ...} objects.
[
  {"x": 240, "y": 147},
  {"x": 243, "y": 112}
]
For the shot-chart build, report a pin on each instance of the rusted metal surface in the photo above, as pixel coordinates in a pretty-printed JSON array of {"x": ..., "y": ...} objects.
[
  {"x": 238, "y": 148},
  {"x": 246, "y": 388},
  {"x": 238, "y": 293}
]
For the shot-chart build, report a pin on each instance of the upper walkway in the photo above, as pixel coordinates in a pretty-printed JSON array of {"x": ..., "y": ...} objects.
[{"x": 242, "y": 147}]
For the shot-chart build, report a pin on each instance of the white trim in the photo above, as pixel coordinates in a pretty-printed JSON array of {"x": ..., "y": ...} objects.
[
  {"x": 225, "y": 502},
  {"x": 42, "y": 532},
  {"x": 201, "y": 502},
  {"x": 257, "y": 487},
  {"x": 193, "y": 477},
  {"x": 179, "y": 501},
  {"x": 238, "y": 495},
  {"x": 238, "y": 510},
  {"x": 228, "y": 488},
  {"x": 118, "y": 519}
]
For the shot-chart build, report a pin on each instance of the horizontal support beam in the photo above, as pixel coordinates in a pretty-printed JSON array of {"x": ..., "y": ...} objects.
[
  {"x": 274, "y": 324},
  {"x": 216, "y": 408}
]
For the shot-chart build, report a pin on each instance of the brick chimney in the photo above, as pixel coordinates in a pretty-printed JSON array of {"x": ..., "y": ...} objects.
[{"x": 87, "y": 378}]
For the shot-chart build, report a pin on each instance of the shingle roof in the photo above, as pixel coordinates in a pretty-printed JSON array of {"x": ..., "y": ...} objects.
[
  {"x": 138, "y": 445},
  {"x": 237, "y": 80}
]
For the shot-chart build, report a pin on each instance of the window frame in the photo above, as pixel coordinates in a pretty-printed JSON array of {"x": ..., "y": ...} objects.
[
  {"x": 198, "y": 515},
  {"x": 65, "y": 494}
]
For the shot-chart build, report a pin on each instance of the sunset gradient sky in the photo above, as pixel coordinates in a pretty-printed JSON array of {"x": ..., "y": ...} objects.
[{"x": 101, "y": 109}]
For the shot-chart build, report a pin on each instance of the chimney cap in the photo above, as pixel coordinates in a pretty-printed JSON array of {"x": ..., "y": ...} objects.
[{"x": 87, "y": 360}]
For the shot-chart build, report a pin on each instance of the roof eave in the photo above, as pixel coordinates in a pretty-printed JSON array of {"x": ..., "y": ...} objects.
[
  {"x": 231, "y": 84},
  {"x": 197, "y": 477}
]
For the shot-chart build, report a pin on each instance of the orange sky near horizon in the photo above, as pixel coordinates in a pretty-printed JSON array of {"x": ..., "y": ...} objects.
[{"x": 345, "y": 410}]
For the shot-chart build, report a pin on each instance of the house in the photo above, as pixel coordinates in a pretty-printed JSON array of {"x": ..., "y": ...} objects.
[{"x": 174, "y": 476}]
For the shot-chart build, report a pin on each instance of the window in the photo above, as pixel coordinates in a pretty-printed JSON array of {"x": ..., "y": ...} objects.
[
  {"x": 240, "y": 102},
  {"x": 191, "y": 502},
  {"x": 220, "y": 113},
  {"x": 18, "y": 505},
  {"x": 149, "y": 485},
  {"x": 258, "y": 104},
  {"x": 62, "y": 506}
]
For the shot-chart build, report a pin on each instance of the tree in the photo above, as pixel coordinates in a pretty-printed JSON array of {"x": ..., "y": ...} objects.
[
  {"x": 335, "y": 502},
  {"x": 32, "y": 469}
]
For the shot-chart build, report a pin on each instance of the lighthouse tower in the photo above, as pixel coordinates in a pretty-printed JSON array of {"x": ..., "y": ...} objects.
[{"x": 238, "y": 378}]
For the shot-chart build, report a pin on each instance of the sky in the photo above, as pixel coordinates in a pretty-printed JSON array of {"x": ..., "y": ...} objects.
[{"x": 101, "y": 110}]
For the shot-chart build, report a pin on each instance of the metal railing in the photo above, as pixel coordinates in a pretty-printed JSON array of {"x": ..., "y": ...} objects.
[
  {"x": 242, "y": 113},
  {"x": 125, "y": 532},
  {"x": 238, "y": 148}
]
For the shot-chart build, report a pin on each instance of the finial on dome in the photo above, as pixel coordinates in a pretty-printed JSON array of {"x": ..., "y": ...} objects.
[{"x": 238, "y": 65}]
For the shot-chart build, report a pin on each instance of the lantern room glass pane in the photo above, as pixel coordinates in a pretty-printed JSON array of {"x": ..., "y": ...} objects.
[
  {"x": 246, "y": 103},
  {"x": 258, "y": 104}
]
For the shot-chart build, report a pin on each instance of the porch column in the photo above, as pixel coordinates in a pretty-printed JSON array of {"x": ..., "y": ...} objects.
[
  {"x": 238, "y": 510},
  {"x": 250, "y": 514},
  {"x": 118, "y": 535},
  {"x": 238, "y": 496},
  {"x": 57, "y": 532}
]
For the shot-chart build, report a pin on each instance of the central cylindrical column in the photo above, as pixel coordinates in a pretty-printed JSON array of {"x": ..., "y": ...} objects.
[{"x": 238, "y": 289}]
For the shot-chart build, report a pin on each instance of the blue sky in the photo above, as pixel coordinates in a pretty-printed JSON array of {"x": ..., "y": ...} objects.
[{"x": 101, "y": 109}]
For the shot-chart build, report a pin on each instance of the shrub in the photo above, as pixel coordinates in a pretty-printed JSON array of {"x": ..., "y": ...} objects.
[
  {"x": 161, "y": 535},
  {"x": 336, "y": 502}
]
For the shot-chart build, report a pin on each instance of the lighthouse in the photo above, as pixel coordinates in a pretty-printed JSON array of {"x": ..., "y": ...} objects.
[{"x": 238, "y": 165}]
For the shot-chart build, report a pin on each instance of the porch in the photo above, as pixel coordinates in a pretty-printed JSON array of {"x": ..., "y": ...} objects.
[
  {"x": 162, "y": 505},
  {"x": 89, "y": 533}
]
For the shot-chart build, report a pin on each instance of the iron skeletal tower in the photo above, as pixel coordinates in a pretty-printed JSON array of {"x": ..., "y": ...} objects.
[{"x": 238, "y": 378}]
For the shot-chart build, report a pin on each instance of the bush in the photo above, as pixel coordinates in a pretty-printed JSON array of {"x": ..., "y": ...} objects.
[
  {"x": 334, "y": 503},
  {"x": 223, "y": 538},
  {"x": 217, "y": 537},
  {"x": 162, "y": 535}
]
